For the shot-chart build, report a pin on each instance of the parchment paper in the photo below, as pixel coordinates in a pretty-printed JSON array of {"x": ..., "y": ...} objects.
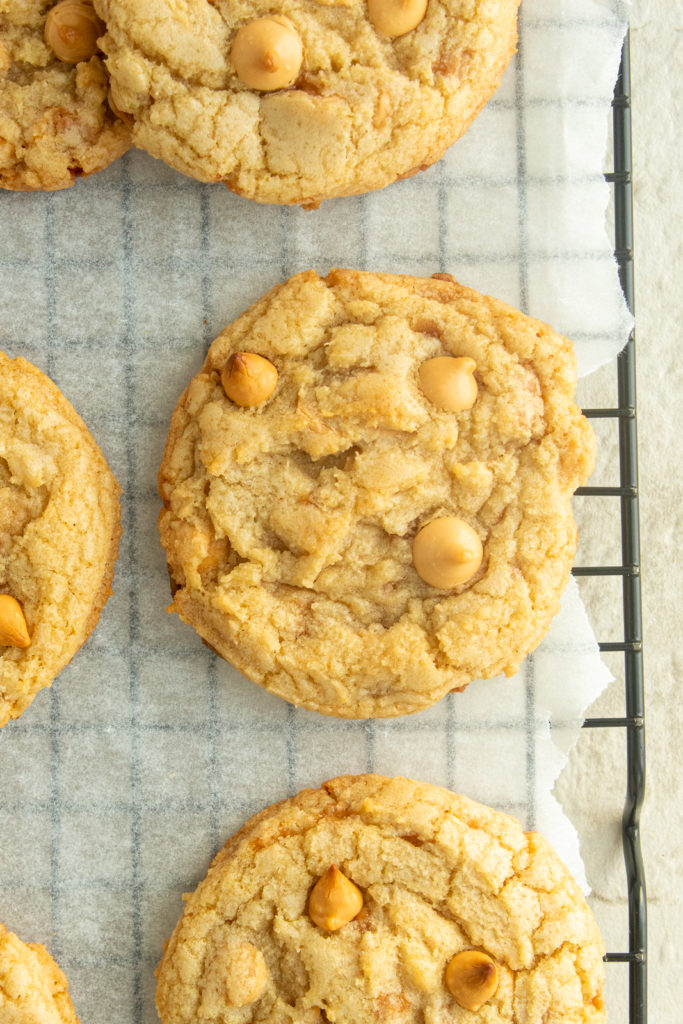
[{"x": 119, "y": 784}]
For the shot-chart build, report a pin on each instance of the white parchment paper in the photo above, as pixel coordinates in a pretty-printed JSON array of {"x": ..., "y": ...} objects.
[{"x": 119, "y": 784}]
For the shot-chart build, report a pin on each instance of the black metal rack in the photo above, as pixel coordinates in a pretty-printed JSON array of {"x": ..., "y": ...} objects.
[{"x": 629, "y": 570}]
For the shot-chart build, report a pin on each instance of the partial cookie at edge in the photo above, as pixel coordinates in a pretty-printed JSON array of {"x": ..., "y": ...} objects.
[
  {"x": 33, "y": 990},
  {"x": 56, "y": 123},
  {"x": 60, "y": 524},
  {"x": 364, "y": 109},
  {"x": 438, "y": 874}
]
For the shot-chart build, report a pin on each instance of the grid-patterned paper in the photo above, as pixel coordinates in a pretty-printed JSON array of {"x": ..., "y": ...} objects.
[{"x": 120, "y": 783}]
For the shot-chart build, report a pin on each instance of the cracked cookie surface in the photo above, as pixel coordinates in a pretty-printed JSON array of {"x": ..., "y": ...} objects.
[
  {"x": 55, "y": 119},
  {"x": 289, "y": 526},
  {"x": 59, "y": 530},
  {"x": 364, "y": 109},
  {"x": 33, "y": 990},
  {"x": 438, "y": 873}
]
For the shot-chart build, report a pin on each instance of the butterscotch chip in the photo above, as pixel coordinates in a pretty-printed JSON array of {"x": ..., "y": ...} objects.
[
  {"x": 72, "y": 29},
  {"x": 55, "y": 121},
  {"x": 33, "y": 990},
  {"x": 13, "y": 628},
  {"x": 59, "y": 533},
  {"x": 383, "y": 88},
  {"x": 396, "y": 17},
  {"x": 248, "y": 379},
  {"x": 267, "y": 54},
  {"x": 449, "y": 383},
  {"x": 322, "y": 595},
  {"x": 334, "y": 900},
  {"x": 444, "y": 880},
  {"x": 447, "y": 552},
  {"x": 472, "y": 978}
]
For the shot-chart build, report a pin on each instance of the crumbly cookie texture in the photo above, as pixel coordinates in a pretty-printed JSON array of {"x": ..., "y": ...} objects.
[
  {"x": 289, "y": 525},
  {"x": 33, "y": 990},
  {"x": 363, "y": 110},
  {"x": 59, "y": 530},
  {"x": 55, "y": 120},
  {"x": 438, "y": 874}
]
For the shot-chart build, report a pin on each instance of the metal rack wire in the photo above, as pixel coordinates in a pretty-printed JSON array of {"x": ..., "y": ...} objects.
[{"x": 629, "y": 570}]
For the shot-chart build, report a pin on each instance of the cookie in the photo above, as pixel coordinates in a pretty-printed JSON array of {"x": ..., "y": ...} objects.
[
  {"x": 376, "y": 899},
  {"x": 59, "y": 533},
  {"x": 33, "y": 990},
  {"x": 55, "y": 121},
  {"x": 300, "y": 101},
  {"x": 390, "y": 518}
]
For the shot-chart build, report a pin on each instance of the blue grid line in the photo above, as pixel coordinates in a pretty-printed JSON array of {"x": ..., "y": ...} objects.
[
  {"x": 442, "y": 205},
  {"x": 211, "y": 670},
  {"x": 363, "y": 233},
  {"x": 55, "y": 813},
  {"x": 523, "y": 241},
  {"x": 178, "y": 808},
  {"x": 205, "y": 207},
  {"x": 370, "y": 764},
  {"x": 182, "y": 265},
  {"x": 133, "y": 627},
  {"x": 451, "y": 744},
  {"x": 530, "y": 743},
  {"x": 291, "y": 751}
]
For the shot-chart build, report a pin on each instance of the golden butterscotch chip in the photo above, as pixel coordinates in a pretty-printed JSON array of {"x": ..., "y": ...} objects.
[
  {"x": 33, "y": 990},
  {"x": 380, "y": 550},
  {"x": 55, "y": 122},
  {"x": 267, "y": 54},
  {"x": 334, "y": 900},
  {"x": 396, "y": 17},
  {"x": 449, "y": 382},
  {"x": 447, "y": 552},
  {"x": 301, "y": 102},
  {"x": 472, "y": 978},
  {"x": 59, "y": 533},
  {"x": 248, "y": 379},
  {"x": 464, "y": 917},
  {"x": 72, "y": 29},
  {"x": 13, "y": 628}
]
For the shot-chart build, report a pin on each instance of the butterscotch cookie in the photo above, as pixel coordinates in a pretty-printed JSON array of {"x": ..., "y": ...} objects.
[
  {"x": 33, "y": 990},
  {"x": 59, "y": 533},
  {"x": 376, "y": 899},
  {"x": 55, "y": 121},
  {"x": 367, "y": 490},
  {"x": 300, "y": 101}
]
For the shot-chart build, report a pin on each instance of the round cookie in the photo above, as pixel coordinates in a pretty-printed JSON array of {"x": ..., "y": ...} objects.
[
  {"x": 59, "y": 533},
  {"x": 55, "y": 120},
  {"x": 290, "y": 526},
  {"x": 307, "y": 99},
  {"x": 437, "y": 875},
  {"x": 33, "y": 990}
]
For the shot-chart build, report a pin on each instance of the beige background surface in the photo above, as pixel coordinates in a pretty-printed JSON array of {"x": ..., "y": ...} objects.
[{"x": 594, "y": 778}]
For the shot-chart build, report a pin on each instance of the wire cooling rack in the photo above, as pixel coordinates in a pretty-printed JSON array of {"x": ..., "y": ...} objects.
[{"x": 633, "y": 721}]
